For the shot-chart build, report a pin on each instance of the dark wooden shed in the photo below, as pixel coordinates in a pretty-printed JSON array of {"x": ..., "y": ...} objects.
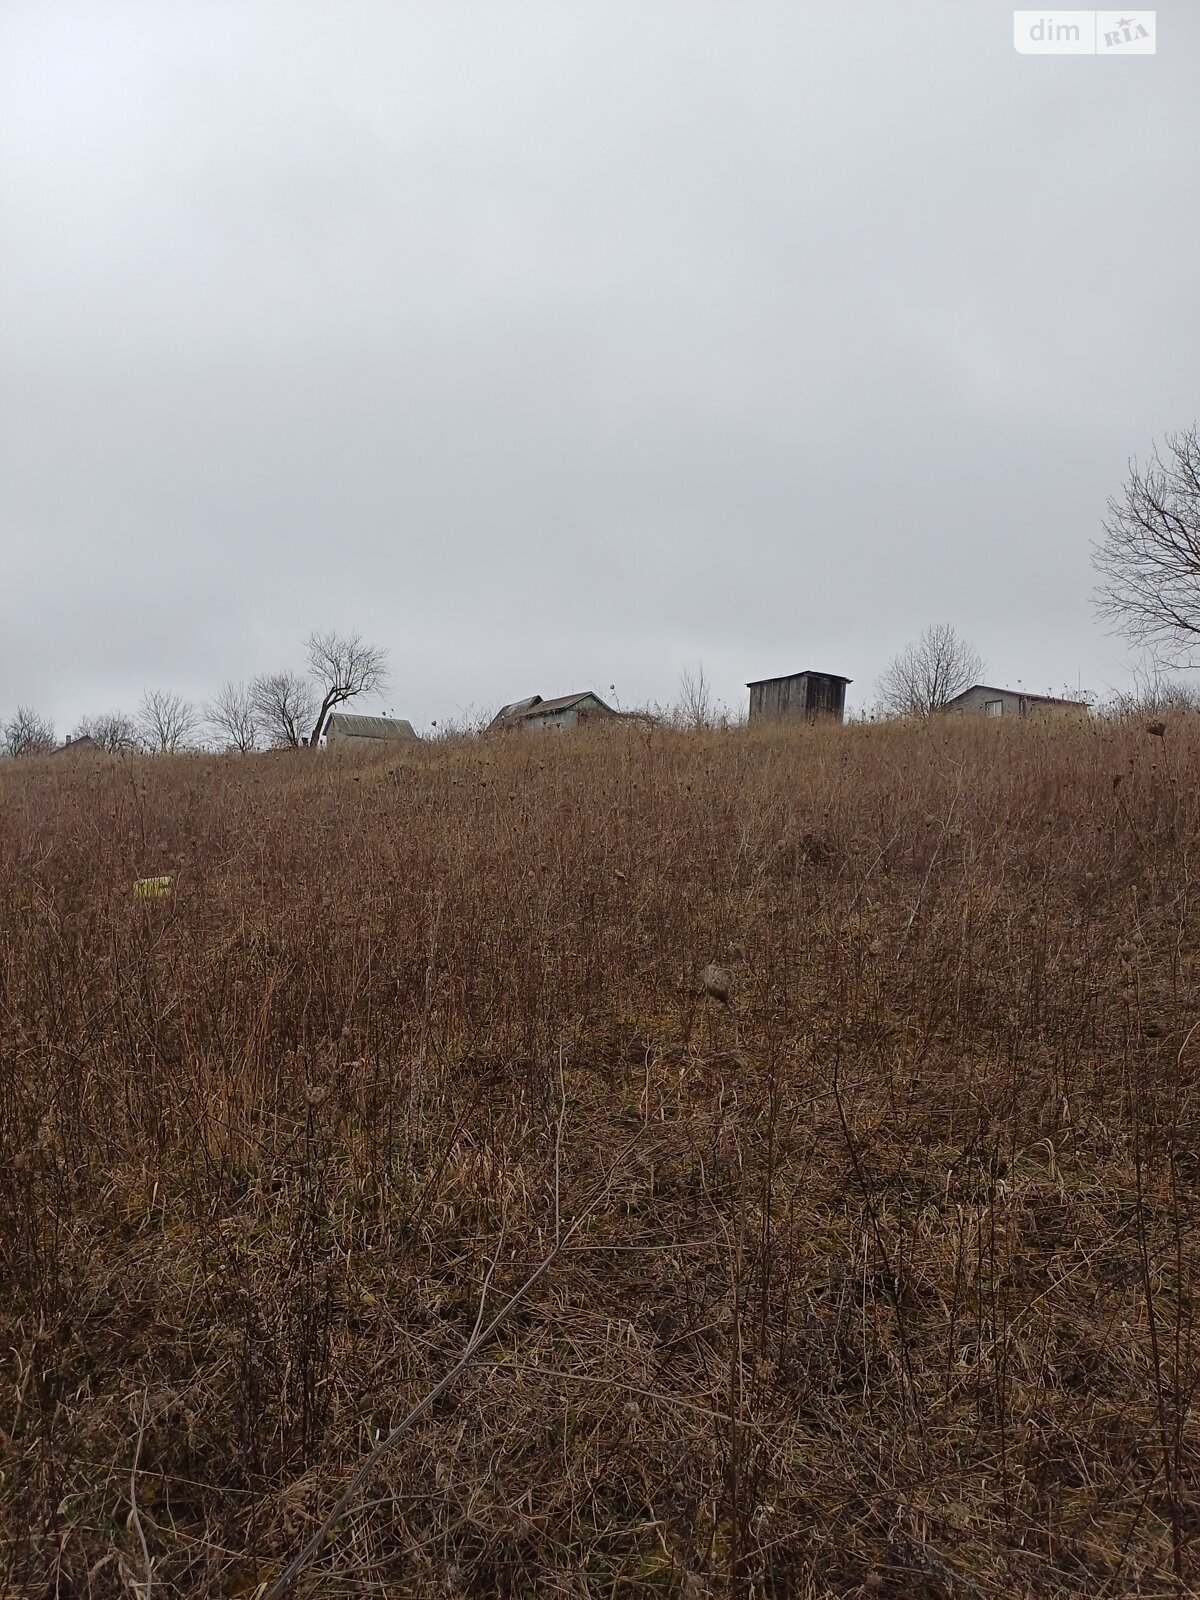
[{"x": 806, "y": 695}]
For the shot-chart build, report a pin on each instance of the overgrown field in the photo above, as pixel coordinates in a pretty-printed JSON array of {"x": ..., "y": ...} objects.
[{"x": 881, "y": 1282}]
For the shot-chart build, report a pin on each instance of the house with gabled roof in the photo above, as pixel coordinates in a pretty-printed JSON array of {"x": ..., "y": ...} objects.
[
  {"x": 982, "y": 700},
  {"x": 567, "y": 711}
]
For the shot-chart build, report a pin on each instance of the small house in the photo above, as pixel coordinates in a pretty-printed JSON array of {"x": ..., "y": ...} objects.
[
  {"x": 801, "y": 695},
  {"x": 345, "y": 730},
  {"x": 536, "y": 715},
  {"x": 84, "y": 745},
  {"x": 981, "y": 700}
]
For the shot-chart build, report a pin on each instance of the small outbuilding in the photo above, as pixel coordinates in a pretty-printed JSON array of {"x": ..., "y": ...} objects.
[
  {"x": 344, "y": 728},
  {"x": 805, "y": 696},
  {"x": 536, "y": 715},
  {"x": 981, "y": 700}
]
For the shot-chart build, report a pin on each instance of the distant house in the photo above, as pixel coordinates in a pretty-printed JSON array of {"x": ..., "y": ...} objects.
[
  {"x": 343, "y": 729},
  {"x": 800, "y": 695},
  {"x": 536, "y": 715},
  {"x": 85, "y": 745},
  {"x": 981, "y": 700}
]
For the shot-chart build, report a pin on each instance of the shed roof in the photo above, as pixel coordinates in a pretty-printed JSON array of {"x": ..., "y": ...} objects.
[
  {"x": 348, "y": 725},
  {"x": 809, "y": 672}
]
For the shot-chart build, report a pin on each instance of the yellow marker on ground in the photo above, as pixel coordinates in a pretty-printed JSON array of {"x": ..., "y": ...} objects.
[{"x": 152, "y": 888}]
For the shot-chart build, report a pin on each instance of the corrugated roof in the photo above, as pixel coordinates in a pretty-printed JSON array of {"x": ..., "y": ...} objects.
[
  {"x": 348, "y": 725},
  {"x": 564, "y": 702},
  {"x": 515, "y": 711}
]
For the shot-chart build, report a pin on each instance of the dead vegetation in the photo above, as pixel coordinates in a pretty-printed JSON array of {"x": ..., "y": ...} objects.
[{"x": 882, "y": 1283}]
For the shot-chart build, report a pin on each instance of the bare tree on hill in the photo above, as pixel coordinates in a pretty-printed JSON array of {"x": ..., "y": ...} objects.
[
  {"x": 113, "y": 731},
  {"x": 166, "y": 722},
  {"x": 28, "y": 734},
  {"x": 234, "y": 717},
  {"x": 1149, "y": 556},
  {"x": 285, "y": 705},
  {"x": 929, "y": 672},
  {"x": 343, "y": 665}
]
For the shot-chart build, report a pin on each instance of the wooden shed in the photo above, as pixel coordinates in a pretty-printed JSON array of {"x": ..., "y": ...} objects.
[{"x": 803, "y": 695}]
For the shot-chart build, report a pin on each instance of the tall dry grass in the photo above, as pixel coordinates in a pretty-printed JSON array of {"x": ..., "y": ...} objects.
[{"x": 881, "y": 1281}]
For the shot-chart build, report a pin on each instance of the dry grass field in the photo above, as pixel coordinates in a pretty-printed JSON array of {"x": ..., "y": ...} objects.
[{"x": 881, "y": 1281}]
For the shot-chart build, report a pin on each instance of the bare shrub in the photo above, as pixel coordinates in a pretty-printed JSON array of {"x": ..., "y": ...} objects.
[{"x": 27, "y": 733}]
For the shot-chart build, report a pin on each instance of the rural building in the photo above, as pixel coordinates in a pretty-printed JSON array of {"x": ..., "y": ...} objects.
[
  {"x": 981, "y": 700},
  {"x": 85, "y": 745},
  {"x": 536, "y": 715},
  {"x": 345, "y": 730},
  {"x": 804, "y": 695}
]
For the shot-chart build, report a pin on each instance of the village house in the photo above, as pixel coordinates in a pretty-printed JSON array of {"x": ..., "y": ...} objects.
[
  {"x": 981, "y": 700},
  {"x": 536, "y": 715},
  {"x": 801, "y": 695},
  {"x": 85, "y": 745}
]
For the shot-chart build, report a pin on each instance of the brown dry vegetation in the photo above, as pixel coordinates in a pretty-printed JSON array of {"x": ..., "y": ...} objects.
[{"x": 882, "y": 1282}]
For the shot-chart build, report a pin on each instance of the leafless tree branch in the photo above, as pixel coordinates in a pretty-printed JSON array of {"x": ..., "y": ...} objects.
[
  {"x": 234, "y": 717},
  {"x": 343, "y": 665},
  {"x": 928, "y": 673},
  {"x": 1149, "y": 556},
  {"x": 166, "y": 722},
  {"x": 285, "y": 704}
]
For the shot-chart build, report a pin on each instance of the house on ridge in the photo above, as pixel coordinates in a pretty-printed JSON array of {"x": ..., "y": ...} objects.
[{"x": 536, "y": 715}]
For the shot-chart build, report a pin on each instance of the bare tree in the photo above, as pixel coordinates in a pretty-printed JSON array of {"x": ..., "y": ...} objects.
[
  {"x": 166, "y": 722},
  {"x": 112, "y": 731},
  {"x": 929, "y": 672},
  {"x": 285, "y": 705},
  {"x": 343, "y": 666},
  {"x": 28, "y": 734},
  {"x": 694, "y": 708},
  {"x": 1149, "y": 556},
  {"x": 234, "y": 717}
]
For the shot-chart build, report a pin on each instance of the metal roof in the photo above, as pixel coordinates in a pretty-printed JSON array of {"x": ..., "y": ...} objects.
[
  {"x": 809, "y": 672},
  {"x": 1017, "y": 694},
  {"x": 515, "y": 711},
  {"x": 534, "y": 706},
  {"x": 564, "y": 702},
  {"x": 347, "y": 725}
]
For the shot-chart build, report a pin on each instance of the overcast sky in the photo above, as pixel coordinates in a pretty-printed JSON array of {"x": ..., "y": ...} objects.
[{"x": 559, "y": 345}]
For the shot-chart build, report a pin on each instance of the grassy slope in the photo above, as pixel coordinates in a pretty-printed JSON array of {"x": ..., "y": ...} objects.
[{"x": 891, "y": 1292}]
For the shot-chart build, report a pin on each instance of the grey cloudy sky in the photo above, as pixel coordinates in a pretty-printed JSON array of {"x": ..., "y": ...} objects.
[{"x": 556, "y": 345}]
